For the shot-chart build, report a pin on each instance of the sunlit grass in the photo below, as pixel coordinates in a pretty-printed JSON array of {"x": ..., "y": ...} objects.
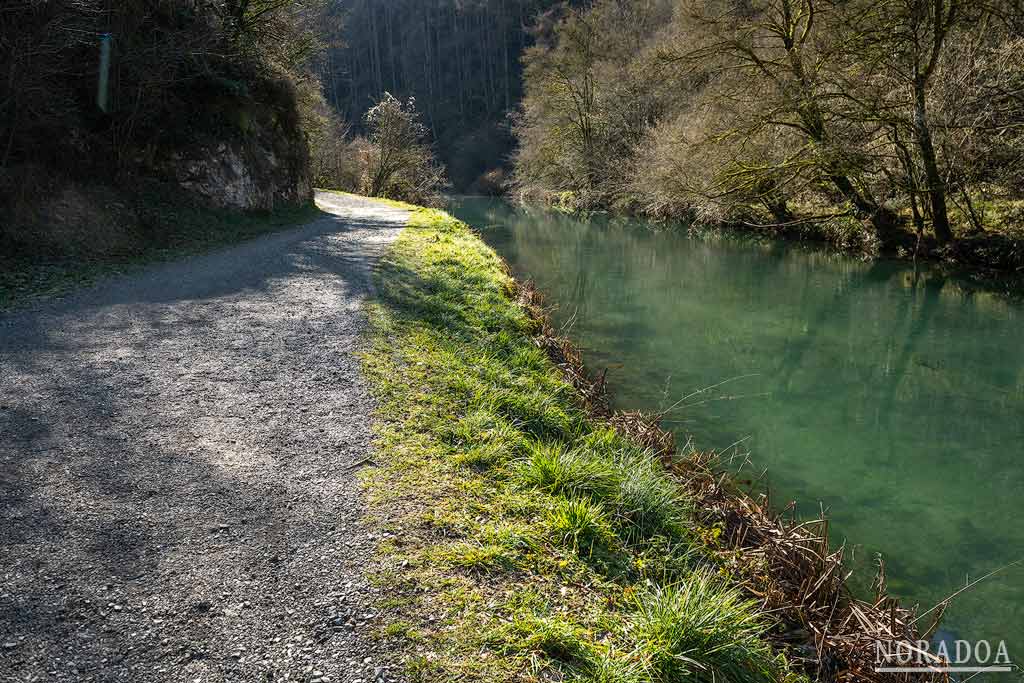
[
  {"x": 701, "y": 630},
  {"x": 580, "y": 522},
  {"x": 532, "y": 541},
  {"x": 554, "y": 468}
]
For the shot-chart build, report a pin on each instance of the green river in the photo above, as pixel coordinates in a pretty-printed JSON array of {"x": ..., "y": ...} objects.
[{"x": 893, "y": 398}]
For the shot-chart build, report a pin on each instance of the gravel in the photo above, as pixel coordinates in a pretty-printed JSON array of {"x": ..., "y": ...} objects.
[{"x": 178, "y": 451}]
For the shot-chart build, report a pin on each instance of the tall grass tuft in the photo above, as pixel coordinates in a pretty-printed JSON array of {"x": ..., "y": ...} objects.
[
  {"x": 703, "y": 631},
  {"x": 615, "y": 667},
  {"x": 580, "y": 522},
  {"x": 648, "y": 502},
  {"x": 557, "y": 469}
]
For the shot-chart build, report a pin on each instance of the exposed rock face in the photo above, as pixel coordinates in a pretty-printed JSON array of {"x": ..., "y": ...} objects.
[
  {"x": 246, "y": 152},
  {"x": 223, "y": 178},
  {"x": 246, "y": 174},
  {"x": 229, "y": 176}
]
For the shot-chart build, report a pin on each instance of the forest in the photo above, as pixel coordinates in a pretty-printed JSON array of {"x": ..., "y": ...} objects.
[
  {"x": 460, "y": 60},
  {"x": 279, "y": 377},
  {"x": 173, "y": 70},
  {"x": 888, "y": 127},
  {"x": 870, "y": 124}
]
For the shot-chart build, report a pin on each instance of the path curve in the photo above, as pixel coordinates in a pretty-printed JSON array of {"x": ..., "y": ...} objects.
[{"x": 177, "y": 493}]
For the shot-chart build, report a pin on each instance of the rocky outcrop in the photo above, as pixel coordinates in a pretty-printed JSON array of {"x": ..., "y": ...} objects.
[
  {"x": 249, "y": 154},
  {"x": 237, "y": 176},
  {"x": 243, "y": 146}
]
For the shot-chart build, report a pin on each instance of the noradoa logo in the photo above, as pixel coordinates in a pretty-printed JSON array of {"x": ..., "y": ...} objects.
[{"x": 960, "y": 656}]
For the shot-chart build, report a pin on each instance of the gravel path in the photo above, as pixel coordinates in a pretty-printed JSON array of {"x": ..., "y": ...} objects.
[{"x": 178, "y": 452}]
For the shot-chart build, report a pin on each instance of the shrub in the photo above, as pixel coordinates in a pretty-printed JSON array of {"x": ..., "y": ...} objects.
[{"x": 400, "y": 164}]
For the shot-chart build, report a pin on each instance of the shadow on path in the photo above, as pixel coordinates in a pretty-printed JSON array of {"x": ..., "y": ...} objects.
[{"x": 175, "y": 497}]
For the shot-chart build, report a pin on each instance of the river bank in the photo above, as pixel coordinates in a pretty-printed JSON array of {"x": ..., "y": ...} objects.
[
  {"x": 887, "y": 391},
  {"x": 992, "y": 259},
  {"x": 529, "y": 531}
]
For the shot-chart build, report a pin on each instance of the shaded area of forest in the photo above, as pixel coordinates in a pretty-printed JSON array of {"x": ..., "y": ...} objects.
[
  {"x": 461, "y": 61},
  {"x": 131, "y": 127}
]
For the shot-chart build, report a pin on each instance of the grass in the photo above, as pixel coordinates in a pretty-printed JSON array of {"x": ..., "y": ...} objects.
[
  {"x": 577, "y": 522},
  {"x": 158, "y": 226},
  {"x": 702, "y": 630},
  {"x": 553, "y": 468},
  {"x": 529, "y": 541}
]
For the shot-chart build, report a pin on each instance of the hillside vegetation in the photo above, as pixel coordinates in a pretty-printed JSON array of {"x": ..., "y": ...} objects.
[
  {"x": 890, "y": 125},
  {"x": 460, "y": 60},
  {"x": 115, "y": 116}
]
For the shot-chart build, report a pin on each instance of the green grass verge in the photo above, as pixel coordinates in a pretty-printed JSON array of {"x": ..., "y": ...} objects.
[
  {"x": 525, "y": 540},
  {"x": 161, "y": 229}
]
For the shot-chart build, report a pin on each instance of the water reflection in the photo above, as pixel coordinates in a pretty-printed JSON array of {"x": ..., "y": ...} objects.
[{"x": 892, "y": 395}]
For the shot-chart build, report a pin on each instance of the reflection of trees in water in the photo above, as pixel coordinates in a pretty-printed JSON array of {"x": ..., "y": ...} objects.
[{"x": 621, "y": 267}]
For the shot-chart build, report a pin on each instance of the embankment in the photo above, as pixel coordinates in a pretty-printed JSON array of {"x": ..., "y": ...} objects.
[{"x": 530, "y": 532}]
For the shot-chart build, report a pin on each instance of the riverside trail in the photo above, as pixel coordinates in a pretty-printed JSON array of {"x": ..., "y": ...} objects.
[{"x": 178, "y": 453}]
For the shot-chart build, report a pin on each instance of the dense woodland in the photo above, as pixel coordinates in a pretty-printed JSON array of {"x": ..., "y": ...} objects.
[
  {"x": 460, "y": 60},
  {"x": 855, "y": 120}
]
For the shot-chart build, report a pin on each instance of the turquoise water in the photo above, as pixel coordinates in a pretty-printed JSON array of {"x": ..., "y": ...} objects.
[{"x": 892, "y": 397}]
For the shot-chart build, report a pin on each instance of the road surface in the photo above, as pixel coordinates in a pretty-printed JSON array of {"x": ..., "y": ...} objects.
[{"x": 177, "y": 485}]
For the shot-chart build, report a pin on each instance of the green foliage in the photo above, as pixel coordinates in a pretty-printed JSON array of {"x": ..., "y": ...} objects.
[
  {"x": 789, "y": 116},
  {"x": 580, "y": 522},
  {"x": 547, "y": 635},
  {"x": 477, "y": 557},
  {"x": 553, "y": 468},
  {"x": 648, "y": 504}
]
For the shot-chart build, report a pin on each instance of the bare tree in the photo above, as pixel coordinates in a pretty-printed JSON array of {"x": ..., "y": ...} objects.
[
  {"x": 401, "y": 164},
  {"x": 777, "y": 42}
]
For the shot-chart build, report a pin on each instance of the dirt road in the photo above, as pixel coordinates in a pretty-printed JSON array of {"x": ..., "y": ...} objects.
[{"x": 177, "y": 496}]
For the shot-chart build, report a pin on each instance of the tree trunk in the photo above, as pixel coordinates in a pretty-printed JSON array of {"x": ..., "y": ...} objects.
[
  {"x": 504, "y": 55},
  {"x": 936, "y": 188},
  {"x": 814, "y": 124},
  {"x": 776, "y": 204},
  {"x": 846, "y": 188},
  {"x": 911, "y": 175},
  {"x": 976, "y": 220}
]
